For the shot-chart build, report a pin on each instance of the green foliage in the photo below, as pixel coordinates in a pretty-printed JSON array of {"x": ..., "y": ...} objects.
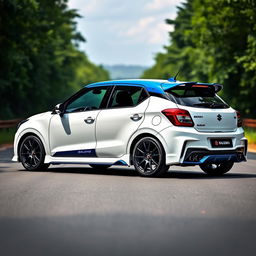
[
  {"x": 214, "y": 41},
  {"x": 7, "y": 135},
  {"x": 40, "y": 63},
  {"x": 250, "y": 134}
]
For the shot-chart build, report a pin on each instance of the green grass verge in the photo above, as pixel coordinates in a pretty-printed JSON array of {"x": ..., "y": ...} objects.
[
  {"x": 7, "y": 135},
  {"x": 250, "y": 134}
]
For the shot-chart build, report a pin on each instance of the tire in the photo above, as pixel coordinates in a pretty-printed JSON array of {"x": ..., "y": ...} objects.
[
  {"x": 149, "y": 157},
  {"x": 99, "y": 166},
  {"x": 217, "y": 169},
  {"x": 32, "y": 154}
]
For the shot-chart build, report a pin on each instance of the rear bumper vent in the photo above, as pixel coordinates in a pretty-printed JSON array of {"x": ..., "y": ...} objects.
[{"x": 198, "y": 156}]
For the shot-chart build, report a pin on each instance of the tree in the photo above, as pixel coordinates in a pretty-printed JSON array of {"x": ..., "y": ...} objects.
[
  {"x": 40, "y": 63},
  {"x": 214, "y": 41}
]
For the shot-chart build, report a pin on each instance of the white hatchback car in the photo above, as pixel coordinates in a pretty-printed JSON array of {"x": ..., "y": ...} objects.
[{"x": 150, "y": 124}]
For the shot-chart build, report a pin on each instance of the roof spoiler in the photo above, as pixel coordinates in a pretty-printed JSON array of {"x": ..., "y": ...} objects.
[{"x": 167, "y": 86}]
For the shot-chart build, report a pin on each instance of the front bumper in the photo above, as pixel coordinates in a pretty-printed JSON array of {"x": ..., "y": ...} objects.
[{"x": 179, "y": 141}]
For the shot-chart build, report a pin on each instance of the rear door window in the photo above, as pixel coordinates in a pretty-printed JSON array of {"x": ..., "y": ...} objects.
[{"x": 127, "y": 96}]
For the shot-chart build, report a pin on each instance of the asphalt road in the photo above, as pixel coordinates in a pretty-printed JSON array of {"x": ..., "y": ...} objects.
[{"x": 78, "y": 211}]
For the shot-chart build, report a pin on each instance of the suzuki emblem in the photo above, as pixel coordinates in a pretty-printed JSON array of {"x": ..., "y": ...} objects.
[{"x": 219, "y": 117}]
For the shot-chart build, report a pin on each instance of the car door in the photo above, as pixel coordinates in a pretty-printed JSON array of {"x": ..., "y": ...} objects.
[
  {"x": 123, "y": 116},
  {"x": 73, "y": 133}
]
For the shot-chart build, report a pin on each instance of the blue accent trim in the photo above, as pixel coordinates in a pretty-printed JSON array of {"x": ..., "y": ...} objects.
[
  {"x": 121, "y": 162},
  {"x": 77, "y": 153},
  {"x": 59, "y": 162},
  {"x": 172, "y": 79},
  {"x": 150, "y": 85},
  {"x": 156, "y": 86},
  {"x": 218, "y": 159}
]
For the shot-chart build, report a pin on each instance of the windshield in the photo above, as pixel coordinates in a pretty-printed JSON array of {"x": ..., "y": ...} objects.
[{"x": 198, "y": 96}]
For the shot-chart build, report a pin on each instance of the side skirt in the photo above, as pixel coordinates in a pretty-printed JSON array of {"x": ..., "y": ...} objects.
[{"x": 124, "y": 160}]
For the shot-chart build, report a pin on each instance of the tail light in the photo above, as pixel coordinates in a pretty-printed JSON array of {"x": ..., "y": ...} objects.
[
  {"x": 178, "y": 117},
  {"x": 239, "y": 119}
]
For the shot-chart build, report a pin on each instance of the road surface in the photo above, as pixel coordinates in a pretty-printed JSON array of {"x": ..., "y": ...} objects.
[{"x": 77, "y": 211}]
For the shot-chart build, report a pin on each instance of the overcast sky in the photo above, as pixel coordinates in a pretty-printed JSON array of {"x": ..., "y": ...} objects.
[{"x": 124, "y": 31}]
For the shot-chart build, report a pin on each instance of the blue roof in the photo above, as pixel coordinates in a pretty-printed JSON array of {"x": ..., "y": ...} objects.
[{"x": 152, "y": 85}]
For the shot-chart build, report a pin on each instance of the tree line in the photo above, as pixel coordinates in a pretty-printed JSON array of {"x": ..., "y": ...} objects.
[
  {"x": 214, "y": 41},
  {"x": 40, "y": 60}
]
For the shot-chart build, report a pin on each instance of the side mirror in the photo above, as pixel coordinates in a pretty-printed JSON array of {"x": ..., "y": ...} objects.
[{"x": 58, "y": 109}]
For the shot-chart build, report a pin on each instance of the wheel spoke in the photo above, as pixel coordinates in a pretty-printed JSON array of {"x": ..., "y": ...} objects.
[
  {"x": 26, "y": 146},
  {"x": 145, "y": 147},
  {"x": 141, "y": 162},
  {"x": 139, "y": 156},
  {"x": 150, "y": 166},
  {"x": 147, "y": 157},
  {"x": 37, "y": 159},
  {"x": 153, "y": 150},
  {"x": 30, "y": 153},
  {"x": 154, "y": 162},
  {"x": 36, "y": 147},
  {"x": 141, "y": 151},
  {"x": 30, "y": 144},
  {"x": 148, "y": 146},
  {"x": 145, "y": 166},
  {"x": 35, "y": 163}
]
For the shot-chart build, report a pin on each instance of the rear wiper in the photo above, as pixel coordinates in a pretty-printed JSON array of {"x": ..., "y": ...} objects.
[{"x": 211, "y": 105}]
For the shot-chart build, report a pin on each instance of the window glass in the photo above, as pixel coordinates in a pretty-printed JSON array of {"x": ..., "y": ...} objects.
[
  {"x": 90, "y": 100},
  {"x": 127, "y": 96},
  {"x": 196, "y": 97}
]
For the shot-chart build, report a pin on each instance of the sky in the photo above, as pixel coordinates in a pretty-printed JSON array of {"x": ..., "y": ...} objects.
[{"x": 126, "y": 32}]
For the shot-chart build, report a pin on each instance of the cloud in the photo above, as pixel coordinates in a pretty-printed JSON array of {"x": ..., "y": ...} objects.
[
  {"x": 99, "y": 9},
  {"x": 141, "y": 26},
  {"x": 161, "y": 4},
  {"x": 159, "y": 33},
  {"x": 124, "y": 31},
  {"x": 148, "y": 30}
]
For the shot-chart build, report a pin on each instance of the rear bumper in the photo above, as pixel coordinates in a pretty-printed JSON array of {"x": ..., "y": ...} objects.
[
  {"x": 199, "y": 157},
  {"x": 178, "y": 142}
]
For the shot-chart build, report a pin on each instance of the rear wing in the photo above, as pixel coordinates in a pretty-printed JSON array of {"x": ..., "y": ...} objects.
[{"x": 171, "y": 85}]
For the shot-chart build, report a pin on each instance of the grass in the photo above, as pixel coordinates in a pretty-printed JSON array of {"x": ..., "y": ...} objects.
[
  {"x": 250, "y": 134},
  {"x": 7, "y": 135}
]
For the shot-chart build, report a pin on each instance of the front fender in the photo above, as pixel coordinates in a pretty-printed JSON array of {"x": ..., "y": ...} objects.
[{"x": 38, "y": 125}]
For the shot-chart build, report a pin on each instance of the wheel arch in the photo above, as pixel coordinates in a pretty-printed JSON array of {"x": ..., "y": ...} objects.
[
  {"x": 26, "y": 134},
  {"x": 140, "y": 136}
]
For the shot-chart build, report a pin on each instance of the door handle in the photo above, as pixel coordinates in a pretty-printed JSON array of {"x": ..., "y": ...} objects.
[
  {"x": 136, "y": 117},
  {"x": 89, "y": 120}
]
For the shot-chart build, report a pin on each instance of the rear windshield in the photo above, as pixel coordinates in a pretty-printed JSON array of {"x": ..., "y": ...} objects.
[{"x": 200, "y": 97}]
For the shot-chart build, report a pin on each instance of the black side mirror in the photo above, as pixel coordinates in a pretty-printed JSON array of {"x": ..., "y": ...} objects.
[{"x": 58, "y": 109}]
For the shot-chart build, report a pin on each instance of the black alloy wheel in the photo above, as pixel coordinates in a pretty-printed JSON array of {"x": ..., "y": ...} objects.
[
  {"x": 32, "y": 154},
  {"x": 149, "y": 157},
  {"x": 216, "y": 169}
]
